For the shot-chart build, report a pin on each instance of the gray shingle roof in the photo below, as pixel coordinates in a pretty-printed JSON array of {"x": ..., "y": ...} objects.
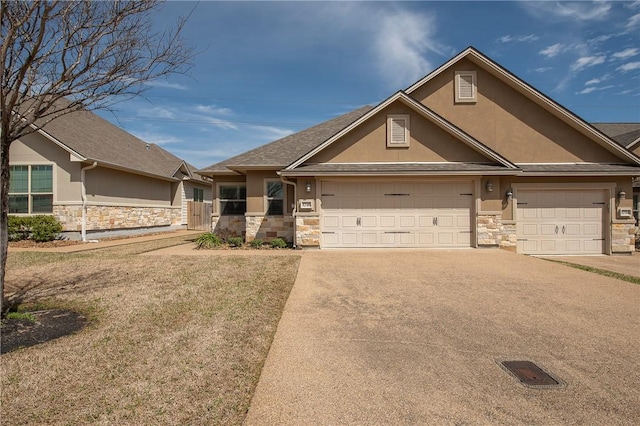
[
  {"x": 98, "y": 140},
  {"x": 396, "y": 168},
  {"x": 622, "y": 133},
  {"x": 581, "y": 168},
  {"x": 281, "y": 153}
]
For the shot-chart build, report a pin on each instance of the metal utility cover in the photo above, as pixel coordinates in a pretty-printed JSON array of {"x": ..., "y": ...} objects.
[{"x": 530, "y": 374}]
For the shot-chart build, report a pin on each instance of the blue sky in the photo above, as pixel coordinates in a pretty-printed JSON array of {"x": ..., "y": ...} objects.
[{"x": 267, "y": 69}]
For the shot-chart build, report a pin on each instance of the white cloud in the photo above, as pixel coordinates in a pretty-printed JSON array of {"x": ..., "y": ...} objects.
[
  {"x": 155, "y": 137},
  {"x": 553, "y": 50},
  {"x": 156, "y": 112},
  {"x": 401, "y": 41},
  {"x": 598, "y": 80},
  {"x": 626, "y": 53},
  {"x": 592, "y": 89},
  {"x": 213, "y": 109},
  {"x": 629, "y": 66},
  {"x": 543, "y": 69},
  {"x": 520, "y": 39},
  {"x": 633, "y": 22},
  {"x": 601, "y": 39},
  {"x": 587, "y": 61},
  {"x": 568, "y": 11},
  {"x": 270, "y": 133},
  {"x": 166, "y": 85}
]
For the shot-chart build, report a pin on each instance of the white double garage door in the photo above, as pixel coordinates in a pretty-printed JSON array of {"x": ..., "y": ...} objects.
[
  {"x": 396, "y": 214},
  {"x": 439, "y": 215}
]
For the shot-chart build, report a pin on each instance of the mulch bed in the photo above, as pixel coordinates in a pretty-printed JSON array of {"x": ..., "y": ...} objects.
[{"x": 49, "y": 325}]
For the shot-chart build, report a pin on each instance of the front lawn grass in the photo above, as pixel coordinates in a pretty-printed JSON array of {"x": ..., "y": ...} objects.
[{"x": 171, "y": 340}]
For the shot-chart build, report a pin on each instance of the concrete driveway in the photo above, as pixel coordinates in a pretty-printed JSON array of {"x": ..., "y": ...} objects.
[{"x": 414, "y": 337}]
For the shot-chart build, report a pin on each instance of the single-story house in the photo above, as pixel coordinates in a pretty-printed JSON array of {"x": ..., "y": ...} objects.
[
  {"x": 468, "y": 156},
  {"x": 96, "y": 178}
]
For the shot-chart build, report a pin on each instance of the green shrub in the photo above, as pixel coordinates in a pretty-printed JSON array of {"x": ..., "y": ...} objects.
[
  {"x": 208, "y": 240},
  {"x": 38, "y": 228},
  {"x": 278, "y": 243},
  {"x": 235, "y": 241},
  {"x": 257, "y": 243}
]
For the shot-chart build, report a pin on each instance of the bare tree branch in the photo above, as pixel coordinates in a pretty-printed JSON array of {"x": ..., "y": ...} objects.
[{"x": 63, "y": 56}]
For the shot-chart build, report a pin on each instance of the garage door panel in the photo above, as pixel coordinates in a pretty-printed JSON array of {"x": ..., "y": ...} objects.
[
  {"x": 392, "y": 214},
  {"x": 560, "y": 222}
]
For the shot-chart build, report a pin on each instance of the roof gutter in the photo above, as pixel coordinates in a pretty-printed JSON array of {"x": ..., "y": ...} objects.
[
  {"x": 295, "y": 205},
  {"x": 83, "y": 193}
]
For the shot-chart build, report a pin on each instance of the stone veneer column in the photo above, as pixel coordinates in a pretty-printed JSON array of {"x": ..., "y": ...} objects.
[
  {"x": 623, "y": 238},
  {"x": 308, "y": 230},
  {"x": 269, "y": 227},
  {"x": 492, "y": 232}
]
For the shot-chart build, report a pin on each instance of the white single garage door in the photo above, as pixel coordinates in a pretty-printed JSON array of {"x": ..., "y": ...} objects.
[
  {"x": 399, "y": 214},
  {"x": 560, "y": 222}
]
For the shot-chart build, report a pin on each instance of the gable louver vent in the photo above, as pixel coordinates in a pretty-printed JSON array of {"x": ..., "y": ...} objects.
[
  {"x": 465, "y": 82},
  {"x": 398, "y": 130}
]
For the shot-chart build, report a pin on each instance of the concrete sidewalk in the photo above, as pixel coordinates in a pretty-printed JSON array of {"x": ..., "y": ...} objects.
[
  {"x": 628, "y": 265},
  {"x": 415, "y": 337},
  {"x": 109, "y": 243}
]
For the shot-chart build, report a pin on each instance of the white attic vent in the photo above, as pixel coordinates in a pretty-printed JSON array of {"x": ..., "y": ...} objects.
[
  {"x": 465, "y": 86},
  {"x": 398, "y": 130}
]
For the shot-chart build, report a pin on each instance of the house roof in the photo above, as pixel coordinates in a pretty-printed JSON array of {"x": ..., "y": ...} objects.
[
  {"x": 425, "y": 112},
  {"x": 534, "y": 95},
  {"x": 375, "y": 169},
  {"x": 89, "y": 137},
  {"x": 626, "y": 134},
  {"x": 280, "y": 153}
]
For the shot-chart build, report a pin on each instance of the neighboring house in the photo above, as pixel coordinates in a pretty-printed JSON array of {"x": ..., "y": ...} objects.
[
  {"x": 469, "y": 156},
  {"x": 627, "y": 135},
  {"x": 123, "y": 183}
]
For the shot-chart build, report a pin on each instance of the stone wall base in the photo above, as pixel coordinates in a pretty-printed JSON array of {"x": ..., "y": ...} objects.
[
  {"x": 269, "y": 227},
  {"x": 228, "y": 226},
  {"x": 308, "y": 231},
  {"x": 623, "y": 238},
  {"x": 492, "y": 232},
  {"x": 100, "y": 218}
]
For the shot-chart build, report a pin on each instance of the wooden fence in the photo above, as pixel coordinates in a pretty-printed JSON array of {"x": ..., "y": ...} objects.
[{"x": 198, "y": 216}]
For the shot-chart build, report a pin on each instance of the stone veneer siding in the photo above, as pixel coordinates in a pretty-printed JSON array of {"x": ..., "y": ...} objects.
[
  {"x": 308, "y": 231},
  {"x": 269, "y": 227},
  {"x": 116, "y": 217},
  {"x": 623, "y": 238},
  {"x": 492, "y": 232},
  {"x": 228, "y": 226}
]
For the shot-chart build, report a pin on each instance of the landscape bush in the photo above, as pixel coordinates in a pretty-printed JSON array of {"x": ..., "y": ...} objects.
[
  {"x": 40, "y": 228},
  {"x": 235, "y": 241},
  {"x": 257, "y": 243},
  {"x": 208, "y": 240},
  {"x": 278, "y": 243}
]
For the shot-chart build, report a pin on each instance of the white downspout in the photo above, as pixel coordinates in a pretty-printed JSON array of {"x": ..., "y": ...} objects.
[
  {"x": 83, "y": 193},
  {"x": 295, "y": 205}
]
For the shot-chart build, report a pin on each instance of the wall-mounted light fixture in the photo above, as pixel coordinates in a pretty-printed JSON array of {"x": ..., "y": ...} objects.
[
  {"x": 622, "y": 195},
  {"x": 509, "y": 194},
  {"x": 307, "y": 187},
  {"x": 489, "y": 186}
]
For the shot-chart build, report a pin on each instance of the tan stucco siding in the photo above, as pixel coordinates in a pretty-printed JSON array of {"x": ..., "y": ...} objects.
[
  {"x": 368, "y": 143},
  {"x": 508, "y": 122},
  {"x": 116, "y": 187},
  {"x": 36, "y": 149},
  {"x": 255, "y": 190}
]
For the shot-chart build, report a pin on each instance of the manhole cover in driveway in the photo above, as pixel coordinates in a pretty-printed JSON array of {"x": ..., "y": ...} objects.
[{"x": 529, "y": 374}]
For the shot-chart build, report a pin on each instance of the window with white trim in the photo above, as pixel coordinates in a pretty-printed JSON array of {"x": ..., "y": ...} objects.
[
  {"x": 198, "y": 195},
  {"x": 232, "y": 199},
  {"x": 274, "y": 197},
  {"x": 31, "y": 189},
  {"x": 466, "y": 86},
  {"x": 398, "y": 130}
]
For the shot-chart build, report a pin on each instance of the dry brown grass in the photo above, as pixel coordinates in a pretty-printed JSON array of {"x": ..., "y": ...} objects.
[{"x": 172, "y": 340}]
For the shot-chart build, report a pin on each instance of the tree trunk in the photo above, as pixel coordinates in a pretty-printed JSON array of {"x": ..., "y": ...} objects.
[{"x": 4, "y": 209}]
